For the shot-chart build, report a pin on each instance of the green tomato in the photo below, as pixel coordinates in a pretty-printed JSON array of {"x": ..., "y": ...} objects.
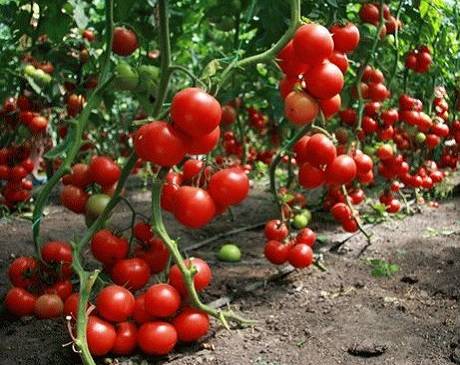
[
  {"x": 42, "y": 77},
  {"x": 126, "y": 78},
  {"x": 300, "y": 221},
  {"x": 420, "y": 137},
  {"x": 148, "y": 78},
  {"x": 96, "y": 205},
  {"x": 30, "y": 70},
  {"x": 229, "y": 253},
  {"x": 307, "y": 214},
  {"x": 369, "y": 150}
]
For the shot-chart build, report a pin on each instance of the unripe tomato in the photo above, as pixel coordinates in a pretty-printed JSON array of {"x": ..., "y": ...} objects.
[{"x": 48, "y": 306}]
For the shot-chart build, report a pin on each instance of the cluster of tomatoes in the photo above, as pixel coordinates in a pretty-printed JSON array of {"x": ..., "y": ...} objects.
[
  {"x": 419, "y": 60},
  {"x": 370, "y": 13}
]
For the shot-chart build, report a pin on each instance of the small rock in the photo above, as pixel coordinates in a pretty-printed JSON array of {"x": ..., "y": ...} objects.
[{"x": 366, "y": 349}]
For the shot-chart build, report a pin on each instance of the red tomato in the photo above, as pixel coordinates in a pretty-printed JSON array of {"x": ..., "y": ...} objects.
[
  {"x": 71, "y": 305},
  {"x": 312, "y": 43},
  {"x": 143, "y": 231},
  {"x": 192, "y": 168},
  {"x": 324, "y": 80},
  {"x": 229, "y": 186},
  {"x": 369, "y": 125},
  {"x": 101, "y": 336},
  {"x": 370, "y": 13},
  {"x": 126, "y": 340},
  {"x": 124, "y": 41},
  {"x": 88, "y": 35},
  {"x": 191, "y": 324},
  {"x": 38, "y": 124},
  {"x": 350, "y": 225},
  {"x": 104, "y": 171},
  {"x": 341, "y": 171},
  {"x": 300, "y": 149},
  {"x": 20, "y": 302},
  {"x": 48, "y": 306},
  {"x": 22, "y": 272},
  {"x": 108, "y": 248},
  {"x": 363, "y": 163},
  {"x": 287, "y": 85},
  {"x": 194, "y": 207},
  {"x": 202, "y": 145},
  {"x": 300, "y": 108},
  {"x": 311, "y": 177},
  {"x": 74, "y": 198},
  {"x": 195, "y": 112},
  {"x": 341, "y": 212},
  {"x": 300, "y": 255},
  {"x": 320, "y": 150},
  {"x": 157, "y": 338},
  {"x": 346, "y": 38},
  {"x": 140, "y": 315},
  {"x": 276, "y": 252},
  {"x": 348, "y": 116},
  {"x": 229, "y": 115},
  {"x": 389, "y": 117},
  {"x": 115, "y": 303},
  {"x": 394, "y": 206},
  {"x": 58, "y": 253},
  {"x": 276, "y": 230},
  {"x": 378, "y": 91},
  {"x": 158, "y": 142},
  {"x": 201, "y": 279},
  {"x": 289, "y": 63},
  {"x": 340, "y": 60},
  {"x": 133, "y": 273},
  {"x": 331, "y": 106},
  {"x": 62, "y": 288},
  {"x": 162, "y": 300},
  {"x": 155, "y": 254},
  {"x": 306, "y": 236},
  {"x": 385, "y": 152},
  {"x": 28, "y": 165}
]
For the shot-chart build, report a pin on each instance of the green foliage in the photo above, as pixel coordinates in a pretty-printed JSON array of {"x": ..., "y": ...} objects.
[{"x": 382, "y": 268}]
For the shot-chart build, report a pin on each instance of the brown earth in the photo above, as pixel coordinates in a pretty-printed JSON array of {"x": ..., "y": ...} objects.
[{"x": 341, "y": 316}]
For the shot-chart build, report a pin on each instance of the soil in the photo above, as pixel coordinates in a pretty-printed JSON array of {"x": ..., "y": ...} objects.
[{"x": 341, "y": 316}]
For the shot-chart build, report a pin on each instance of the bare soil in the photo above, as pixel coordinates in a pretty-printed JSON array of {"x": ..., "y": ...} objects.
[{"x": 341, "y": 316}]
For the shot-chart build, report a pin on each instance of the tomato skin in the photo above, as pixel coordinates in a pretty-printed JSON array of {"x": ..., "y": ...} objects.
[
  {"x": 201, "y": 279},
  {"x": 300, "y": 108},
  {"x": 143, "y": 231},
  {"x": 156, "y": 255},
  {"x": 133, "y": 273},
  {"x": 157, "y": 338},
  {"x": 341, "y": 171},
  {"x": 346, "y": 38},
  {"x": 300, "y": 149},
  {"x": 229, "y": 115},
  {"x": 289, "y": 62},
  {"x": 310, "y": 176},
  {"x": 194, "y": 207},
  {"x": 104, "y": 171},
  {"x": 191, "y": 324},
  {"x": 306, "y": 236},
  {"x": 124, "y": 41},
  {"x": 340, "y": 60},
  {"x": 331, "y": 106},
  {"x": 276, "y": 252},
  {"x": 22, "y": 272},
  {"x": 370, "y": 13},
  {"x": 286, "y": 85},
  {"x": 58, "y": 252},
  {"x": 312, "y": 43},
  {"x": 202, "y": 145},
  {"x": 159, "y": 142},
  {"x": 324, "y": 80},
  {"x": 140, "y": 315},
  {"x": 126, "y": 340},
  {"x": 341, "y": 212},
  {"x": 300, "y": 255},
  {"x": 192, "y": 168},
  {"x": 115, "y": 303},
  {"x": 195, "y": 112},
  {"x": 48, "y": 306},
  {"x": 320, "y": 150},
  {"x": 363, "y": 163},
  {"x": 108, "y": 248},
  {"x": 20, "y": 302},
  {"x": 71, "y": 305},
  {"x": 350, "y": 225},
  {"x": 101, "y": 336},
  {"x": 74, "y": 198},
  {"x": 229, "y": 186},
  {"x": 162, "y": 300},
  {"x": 276, "y": 230},
  {"x": 62, "y": 288},
  {"x": 38, "y": 124}
]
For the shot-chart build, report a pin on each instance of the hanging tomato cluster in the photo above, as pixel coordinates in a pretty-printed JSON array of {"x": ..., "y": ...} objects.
[
  {"x": 370, "y": 13},
  {"x": 419, "y": 60}
]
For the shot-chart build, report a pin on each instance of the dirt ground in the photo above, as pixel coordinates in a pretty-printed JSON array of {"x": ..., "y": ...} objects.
[{"x": 341, "y": 316}]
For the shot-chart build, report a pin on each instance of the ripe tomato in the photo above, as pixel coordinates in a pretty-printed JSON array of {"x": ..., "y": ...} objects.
[
  {"x": 346, "y": 38},
  {"x": 62, "y": 288},
  {"x": 350, "y": 225},
  {"x": 385, "y": 152},
  {"x": 331, "y": 106},
  {"x": 324, "y": 80},
  {"x": 370, "y": 13},
  {"x": 369, "y": 125},
  {"x": 276, "y": 252},
  {"x": 124, "y": 41},
  {"x": 101, "y": 336},
  {"x": 126, "y": 340},
  {"x": 140, "y": 315},
  {"x": 320, "y": 150},
  {"x": 71, "y": 305},
  {"x": 311, "y": 177},
  {"x": 300, "y": 255},
  {"x": 300, "y": 149},
  {"x": 341, "y": 171},
  {"x": 157, "y": 338},
  {"x": 201, "y": 279},
  {"x": 155, "y": 254},
  {"x": 378, "y": 91},
  {"x": 276, "y": 230},
  {"x": 289, "y": 63},
  {"x": 28, "y": 165},
  {"x": 38, "y": 124},
  {"x": 162, "y": 300},
  {"x": 104, "y": 171},
  {"x": 229, "y": 186},
  {"x": 341, "y": 212},
  {"x": 195, "y": 112},
  {"x": 340, "y": 60},
  {"x": 192, "y": 168},
  {"x": 158, "y": 142},
  {"x": 286, "y": 85},
  {"x": 48, "y": 306},
  {"x": 394, "y": 206},
  {"x": 229, "y": 115},
  {"x": 306, "y": 236},
  {"x": 58, "y": 253},
  {"x": 20, "y": 302},
  {"x": 194, "y": 207},
  {"x": 74, "y": 198},
  {"x": 202, "y": 145},
  {"x": 312, "y": 43},
  {"x": 348, "y": 116},
  {"x": 108, "y": 248},
  {"x": 133, "y": 273},
  {"x": 363, "y": 163},
  {"x": 88, "y": 34},
  {"x": 300, "y": 108},
  {"x": 22, "y": 272},
  {"x": 81, "y": 175},
  {"x": 143, "y": 231},
  {"x": 191, "y": 324},
  {"x": 115, "y": 303},
  {"x": 389, "y": 117}
]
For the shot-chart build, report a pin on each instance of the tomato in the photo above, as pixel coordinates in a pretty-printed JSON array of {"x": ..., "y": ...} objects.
[
  {"x": 229, "y": 253},
  {"x": 394, "y": 206},
  {"x": 300, "y": 149},
  {"x": 306, "y": 236},
  {"x": 195, "y": 112},
  {"x": 126, "y": 340},
  {"x": 48, "y": 306},
  {"x": 140, "y": 315},
  {"x": 17, "y": 173},
  {"x": 155, "y": 254},
  {"x": 300, "y": 255},
  {"x": 192, "y": 168},
  {"x": 300, "y": 108},
  {"x": 191, "y": 324},
  {"x": 157, "y": 338},
  {"x": 133, "y": 273},
  {"x": 331, "y": 106},
  {"x": 350, "y": 225},
  {"x": 194, "y": 207},
  {"x": 108, "y": 248},
  {"x": 201, "y": 279},
  {"x": 320, "y": 150},
  {"x": 340, "y": 60},
  {"x": 229, "y": 115},
  {"x": 96, "y": 204},
  {"x": 348, "y": 116},
  {"x": 124, "y": 41},
  {"x": 104, "y": 171},
  {"x": 440, "y": 129},
  {"x": 424, "y": 61},
  {"x": 167, "y": 196},
  {"x": 88, "y": 35},
  {"x": 101, "y": 336},
  {"x": 71, "y": 305},
  {"x": 286, "y": 85},
  {"x": 22, "y": 272},
  {"x": 162, "y": 300},
  {"x": 289, "y": 63},
  {"x": 58, "y": 253},
  {"x": 115, "y": 303},
  {"x": 276, "y": 230},
  {"x": 229, "y": 186},
  {"x": 341, "y": 171},
  {"x": 363, "y": 163},
  {"x": 324, "y": 80},
  {"x": 341, "y": 212},
  {"x": 28, "y": 165},
  {"x": 311, "y": 177},
  {"x": 276, "y": 252},
  {"x": 158, "y": 142},
  {"x": 62, "y": 288},
  {"x": 312, "y": 43},
  {"x": 346, "y": 38},
  {"x": 74, "y": 198},
  {"x": 23, "y": 103},
  {"x": 38, "y": 124},
  {"x": 389, "y": 117},
  {"x": 369, "y": 125},
  {"x": 432, "y": 141},
  {"x": 20, "y": 302},
  {"x": 202, "y": 145},
  {"x": 370, "y": 13},
  {"x": 385, "y": 152}
]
